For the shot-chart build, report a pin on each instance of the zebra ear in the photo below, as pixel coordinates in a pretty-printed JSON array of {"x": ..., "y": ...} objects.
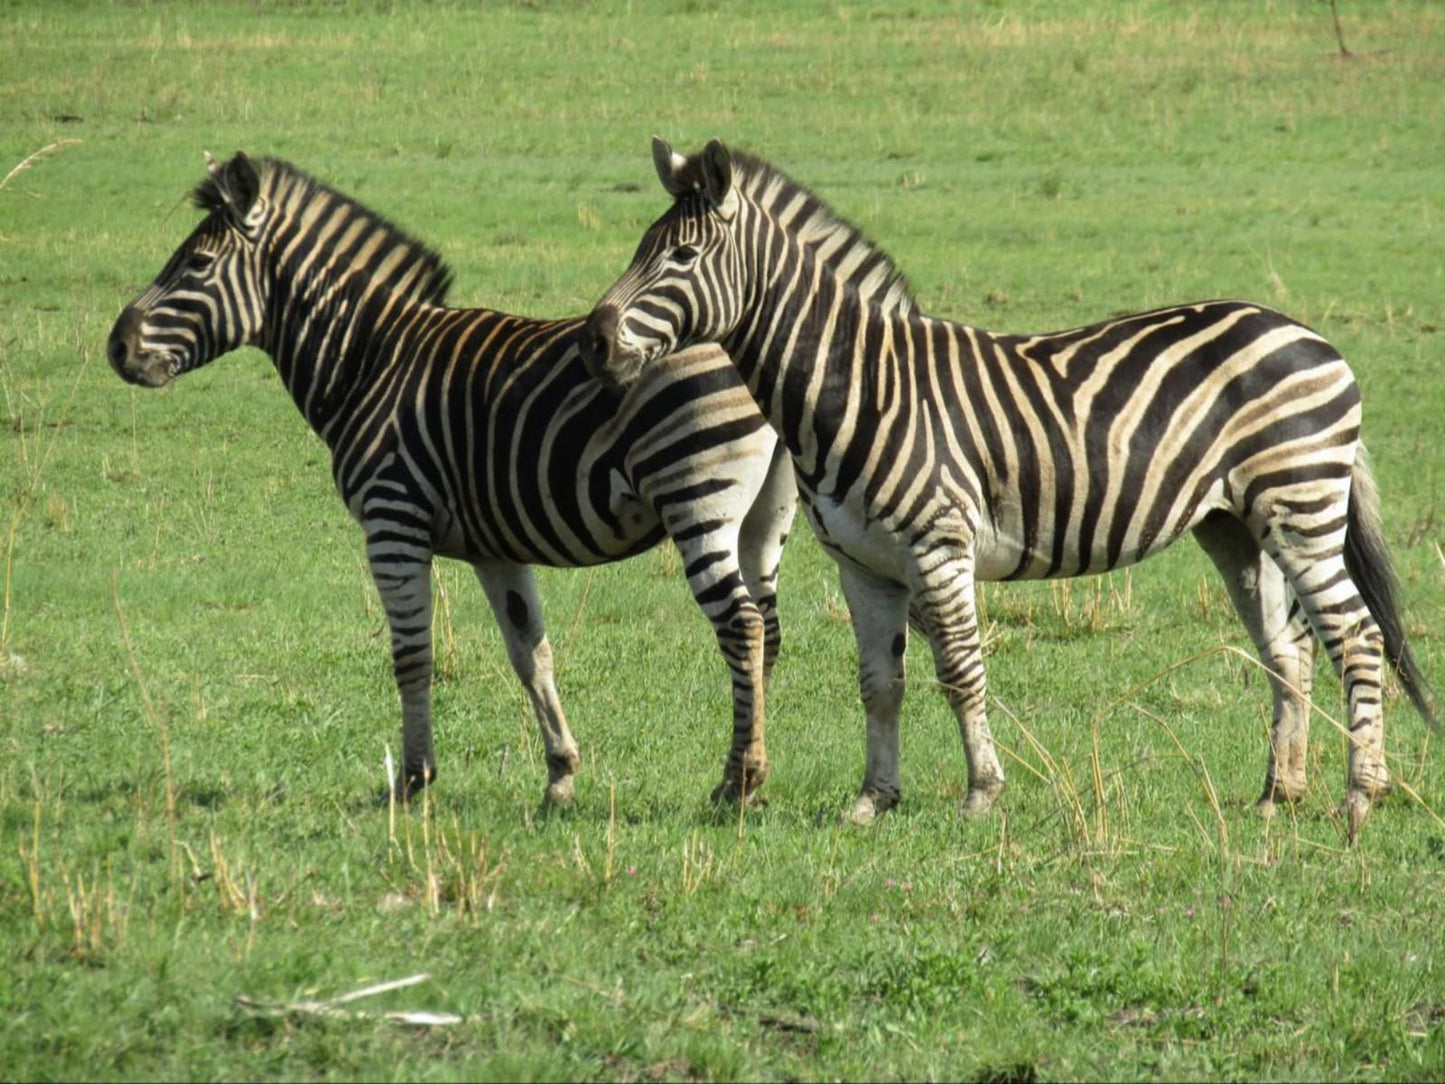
[
  {"x": 669, "y": 165},
  {"x": 717, "y": 178},
  {"x": 231, "y": 188},
  {"x": 240, "y": 182}
]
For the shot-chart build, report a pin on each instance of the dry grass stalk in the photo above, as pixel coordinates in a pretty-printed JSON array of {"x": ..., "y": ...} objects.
[
  {"x": 669, "y": 561},
  {"x": 1339, "y": 31},
  {"x": 576, "y": 619},
  {"x": 1101, "y": 805},
  {"x": 235, "y": 887},
  {"x": 443, "y": 630},
  {"x": 462, "y": 873},
  {"x": 97, "y": 920},
  {"x": 1060, "y": 779},
  {"x": 391, "y": 785},
  {"x": 608, "y": 862},
  {"x": 458, "y": 871},
  {"x": 30, "y": 856},
  {"x": 579, "y": 856},
  {"x": 1201, "y": 772},
  {"x": 1249, "y": 660},
  {"x": 35, "y": 157},
  {"x": 699, "y": 864},
  {"x": 34, "y": 468},
  {"x": 158, "y": 721}
]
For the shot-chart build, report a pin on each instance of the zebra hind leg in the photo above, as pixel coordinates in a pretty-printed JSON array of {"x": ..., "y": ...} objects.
[
  {"x": 1312, "y": 557},
  {"x": 1285, "y": 643},
  {"x": 761, "y": 539},
  {"x": 511, "y": 590},
  {"x": 405, "y": 589},
  {"x": 1281, "y": 635},
  {"x": 879, "y": 609}
]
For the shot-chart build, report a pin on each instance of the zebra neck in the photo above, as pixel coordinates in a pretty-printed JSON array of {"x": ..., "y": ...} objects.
[
  {"x": 812, "y": 354},
  {"x": 332, "y": 343}
]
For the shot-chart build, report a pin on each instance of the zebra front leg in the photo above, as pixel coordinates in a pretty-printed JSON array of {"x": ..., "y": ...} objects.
[
  {"x": 1281, "y": 635},
  {"x": 404, "y": 583},
  {"x": 511, "y": 590},
  {"x": 950, "y": 615},
  {"x": 879, "y": 609},
  {"x": 710, "y": 559},
  {"x": 742, "y": 639}
]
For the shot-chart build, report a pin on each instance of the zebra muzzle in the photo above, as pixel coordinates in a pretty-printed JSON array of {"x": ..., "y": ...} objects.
[
  {"x": 598, "y": 335},
  {"x": 127, "y": 357}
]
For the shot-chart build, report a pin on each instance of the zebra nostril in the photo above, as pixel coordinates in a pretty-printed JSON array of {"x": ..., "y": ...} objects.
[
  {"x": 597, "y": 336},
  {"x": 118, "y": 346},
  {"x": 115, "y": 350}
]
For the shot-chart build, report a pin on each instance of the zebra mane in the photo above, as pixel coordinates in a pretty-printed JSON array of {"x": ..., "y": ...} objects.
[
  {"x": 868, "y": 269},
  {"x": 422, "y": 275}
]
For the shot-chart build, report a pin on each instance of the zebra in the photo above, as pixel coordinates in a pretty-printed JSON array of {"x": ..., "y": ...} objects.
[
  {"x": 930, "y": 454},
  {"x": 476, "y": 435}
]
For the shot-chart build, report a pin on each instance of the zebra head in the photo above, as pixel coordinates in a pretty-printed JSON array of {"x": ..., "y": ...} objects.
[
  {"x": 208, "y": 298},
  {"x": 683, "y": 284}
]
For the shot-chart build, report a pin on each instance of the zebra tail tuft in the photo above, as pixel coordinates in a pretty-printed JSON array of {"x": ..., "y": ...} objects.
[{"x": 1367, "y": 559}]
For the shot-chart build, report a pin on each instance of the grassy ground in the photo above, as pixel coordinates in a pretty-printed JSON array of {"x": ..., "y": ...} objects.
[{"x": 195, "y": 696}]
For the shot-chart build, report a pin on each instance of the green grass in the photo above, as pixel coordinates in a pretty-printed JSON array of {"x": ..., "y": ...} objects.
[{"x": 195, "y": 694}]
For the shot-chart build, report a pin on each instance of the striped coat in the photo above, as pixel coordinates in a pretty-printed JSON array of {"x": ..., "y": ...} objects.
[
  {"x": 477, "y": 435},
  {"x": 930, "y": 454}
]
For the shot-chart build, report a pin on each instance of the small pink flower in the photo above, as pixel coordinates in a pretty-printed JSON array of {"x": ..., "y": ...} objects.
[{"x": 632, "y": 871}]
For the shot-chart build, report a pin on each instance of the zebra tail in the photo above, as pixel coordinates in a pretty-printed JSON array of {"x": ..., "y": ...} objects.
[{"x": 1367, "y": 559}]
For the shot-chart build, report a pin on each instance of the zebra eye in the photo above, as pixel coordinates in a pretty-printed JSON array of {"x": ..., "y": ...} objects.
[
  {"x": 200, "y": 261},
  {"x": 683, "y": 254}
]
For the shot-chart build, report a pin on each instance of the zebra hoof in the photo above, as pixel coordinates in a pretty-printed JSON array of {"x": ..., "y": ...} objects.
[
  {"x": 559, "y": 793},
  {"x": 980, "y": 801},
  {"x": 727, "y": 793},
  {"x": 867, "y": 807},
  {"x": 407, "y": 786},
  {"x": 743, "y": 774},
  {"x": 1278, "y": 793},
  {"x": 864, "y": 811},
  {"x": 731, "y": 791},
  {"x": 1373, "y": 785}
]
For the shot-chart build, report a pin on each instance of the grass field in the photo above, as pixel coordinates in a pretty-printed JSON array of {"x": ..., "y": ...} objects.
[{"x": 196, "y": 697}]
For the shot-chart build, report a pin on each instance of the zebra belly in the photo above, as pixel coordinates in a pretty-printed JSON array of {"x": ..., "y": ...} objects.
[
  {"x": 1006, "y": 552},
  {"x": 846, "y": 531},
  {"x": 1004, "y": 559}
]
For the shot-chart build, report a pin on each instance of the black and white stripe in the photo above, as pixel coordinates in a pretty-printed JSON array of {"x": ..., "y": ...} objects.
[
  {"x": 930, "y": 454},
  {"x": 477, "y": 435}
]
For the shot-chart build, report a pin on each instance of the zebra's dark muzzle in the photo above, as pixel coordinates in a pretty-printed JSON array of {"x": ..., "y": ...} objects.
[
  {"x": 134, "y": 364},
  {"x": 598, "y": 335},
  {"x": 606, "y": 357}
]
